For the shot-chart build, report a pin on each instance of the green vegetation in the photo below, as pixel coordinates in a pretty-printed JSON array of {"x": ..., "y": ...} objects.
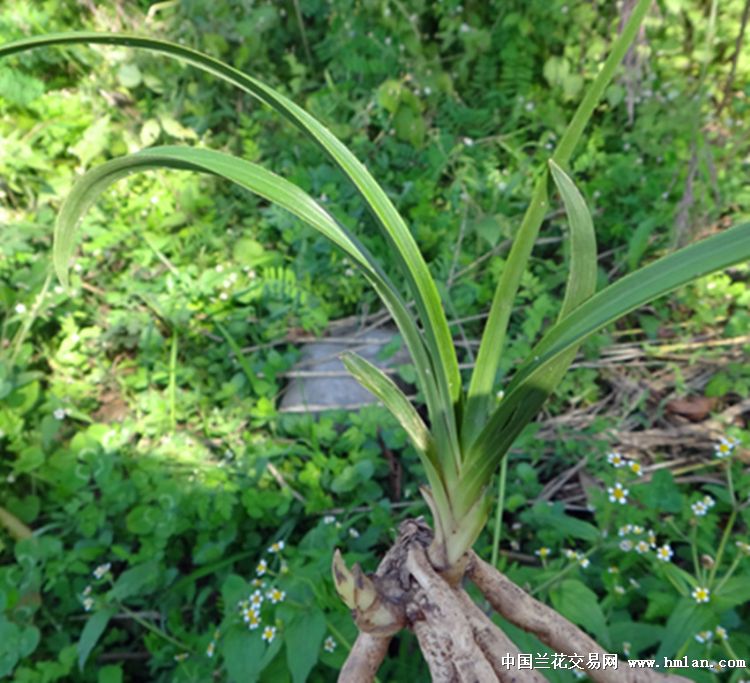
[{"x": 141, "y": 447}]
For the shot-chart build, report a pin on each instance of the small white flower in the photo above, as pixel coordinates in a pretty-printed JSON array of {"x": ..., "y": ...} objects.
[
  {"x": 88, "y": 604},
  {"x": 637, "y": 529},
  {"x": 329, "y": 644},
  {"x": 616, "y": 459},
  {"x": 641, "y": 547},
  {"x": 724, "y": 448},
  {"x": 542, "y": 552},
  {"x": 699, "y": 509},
  {"x": 635, "y": 467},
  {"x": 625, "y": 530},
  {"x": 651, "y": 538},
  {"x": 269, "y": 633},
  {"x": 275, "y": 595},
  {"x": 701, "y": 594},
  {"x": 276, "y": 547},
  {"x": 256, "y": 599},
  {"x": 618, "y": 494},
  {"x": 721, "y": 633},
  {"x": 102, "y": 569},
  {"x": 619, "y": 589},
  {"x": 262, "y": 568},
  {"x": 570, "y": 554},
  {"x": 664, "y": 553},
  {"x": 708, "y": 501},
  {"x": 20, "y": 309},
  {"x": 468, "y": 142},
  {"x": 60, "y": 413},
  {"x": 626, "y": 545},
  {"x": 329, "y": 519},
  {"x": 704, "y": 636},
  {"x": 464, "y": 28},
  {"x": 87, "y": 591},
  {"x": 211, "y": 649},
  {"x": 583, "y": 561}
]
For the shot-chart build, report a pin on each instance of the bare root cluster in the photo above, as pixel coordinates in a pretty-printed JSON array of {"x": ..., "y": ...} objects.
[{"x": 458, "y": 640}]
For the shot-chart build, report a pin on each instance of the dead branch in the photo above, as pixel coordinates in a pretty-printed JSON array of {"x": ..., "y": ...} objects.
[
  {"x": 520, "y": 609},
  {"x": 449, "y": 629},
  {"x": 364, "y": 659}
]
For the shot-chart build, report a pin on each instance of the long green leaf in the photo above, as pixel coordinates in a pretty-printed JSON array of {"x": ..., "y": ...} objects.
[
  {"x": 443, "y": 364},
  {"x": 483, "y": 377},
  {"x": 267, "y": 185},
  {"x": 384, "y": 388},
  {"x": 519, "y": 408},
  {"x": 627, "y": 294}
]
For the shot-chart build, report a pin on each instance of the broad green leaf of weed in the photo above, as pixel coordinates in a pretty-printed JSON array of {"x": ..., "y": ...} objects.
[
  {"x": 686, "y": 619},
  {"x": 303, "y": 639},
  {"x": 243, "y": 653},
  {"x": 91, "y": 633},
  {"x": 579, "y": 604}
]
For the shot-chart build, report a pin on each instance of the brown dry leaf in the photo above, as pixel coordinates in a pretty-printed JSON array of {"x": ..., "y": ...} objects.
[{"x": 694, "y": 408}]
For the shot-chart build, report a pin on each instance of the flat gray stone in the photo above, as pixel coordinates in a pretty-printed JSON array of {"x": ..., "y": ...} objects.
[{"x": 321, "y": 382}]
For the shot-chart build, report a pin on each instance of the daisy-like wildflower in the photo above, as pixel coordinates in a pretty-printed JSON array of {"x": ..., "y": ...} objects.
[
  {"x": 625, "y": 530},
  {"x": 276, "y": 547},
  {"x": 329, "y": 644},
  {"x": 618, "y": 494},
  {"x": 88, "y": 604},
  {"x": 211, "y": 649},
  {"x": 721, "y": 633},
  {"x": 699, "y": 508},
  {"x": 570, "y": 554},
  {"x": 251, "y": 618},
  {"x": 102, "y": 569},
  {"x": 583, "y": 561},
  {"x": 724, "y": 448},
  {"x": 614, "y": 458},
  {"x": 59, "y": 413},
  {"x": 701, "y": 594},
  {"x": 638, "y": 529},
  {"x": 256, "y": 599},
  {"x": 275, "y": 595},
  {"x": 20, "y": 309},
  {"x": 704, "y": 636},
  {"x": 708, "y": 501},
  {"x": 269, "y": 633},
  {"x": 664, "y": 553},
  {"x": 262, "y": 568},
  {"x": 642, "y": 547},
  {"x": 258, "y": 583},
  {"x": 651, "y": 538},
  {"x": 542, "y": 552},
  {"x": 626, "y": 545},
  {"x": 635, "y": 467}
]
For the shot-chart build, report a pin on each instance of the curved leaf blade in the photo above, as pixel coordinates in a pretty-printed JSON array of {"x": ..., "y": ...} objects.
[
  {"x": 520, "y": 407},
  {"x": 265, "y": 184},
  {"x": 527, "y": 390},
  {"x": 443, "y": 363},
  {"x": 385, "y": 389}
]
